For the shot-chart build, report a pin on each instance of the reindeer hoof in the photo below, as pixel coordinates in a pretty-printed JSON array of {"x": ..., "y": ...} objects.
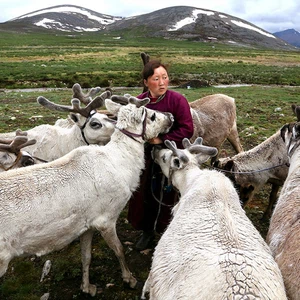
[
  {"x": 131, "y": 284},
  {"x": 92, "y": 290}
]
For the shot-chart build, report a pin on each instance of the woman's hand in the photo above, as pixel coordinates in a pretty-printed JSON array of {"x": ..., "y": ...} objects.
[{"x": 155, "y": 141}]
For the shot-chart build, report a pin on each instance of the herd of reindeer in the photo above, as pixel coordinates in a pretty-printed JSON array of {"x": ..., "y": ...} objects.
[{"x": 210, "y": 250}]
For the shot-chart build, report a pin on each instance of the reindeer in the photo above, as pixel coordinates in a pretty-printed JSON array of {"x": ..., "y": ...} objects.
[
  {"x": 11, "y": 155},
  {"x": 283, "y": 235}
]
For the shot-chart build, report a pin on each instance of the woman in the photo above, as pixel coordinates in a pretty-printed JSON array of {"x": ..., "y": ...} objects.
[{"x": 150, "y": 206}]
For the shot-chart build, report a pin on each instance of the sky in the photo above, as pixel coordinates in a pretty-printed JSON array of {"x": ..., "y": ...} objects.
[{"x": 270, "y": 15}]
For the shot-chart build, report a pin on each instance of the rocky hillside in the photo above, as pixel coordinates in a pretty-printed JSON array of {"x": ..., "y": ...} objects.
[{"x": 178, "y": 23}]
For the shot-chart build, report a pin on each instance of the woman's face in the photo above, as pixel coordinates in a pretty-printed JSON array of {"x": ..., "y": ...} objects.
[{"x": 158, "y": 82}]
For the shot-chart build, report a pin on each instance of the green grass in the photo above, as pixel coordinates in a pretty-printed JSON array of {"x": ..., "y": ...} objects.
[{"x": 45, "y": 60}]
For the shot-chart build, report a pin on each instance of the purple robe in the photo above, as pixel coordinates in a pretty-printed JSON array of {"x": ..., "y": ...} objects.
[{"x": 144, "y": 211}]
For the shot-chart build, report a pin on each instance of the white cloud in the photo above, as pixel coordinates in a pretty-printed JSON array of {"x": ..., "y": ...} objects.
[{"x": 269, "y": 15}]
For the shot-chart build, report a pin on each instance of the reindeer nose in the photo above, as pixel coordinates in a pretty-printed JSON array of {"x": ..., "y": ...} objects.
[{"x": 171, "y": 117}]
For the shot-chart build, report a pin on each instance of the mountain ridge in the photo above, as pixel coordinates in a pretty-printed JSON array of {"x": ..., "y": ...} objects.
[
  {"x": 176, "y": 22},
  {"x": 291, "y": 36}
]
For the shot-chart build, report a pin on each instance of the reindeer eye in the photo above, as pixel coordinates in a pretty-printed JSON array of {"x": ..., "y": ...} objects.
[
  {"x": 95, "y": 124},
  {"x": 27, "y": 161},
  {"x": 153, "y": 117}
]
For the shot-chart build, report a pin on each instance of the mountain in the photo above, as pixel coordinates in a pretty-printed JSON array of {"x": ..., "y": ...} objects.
[
  {"x": 69, "y": 18},
  {"x": 190, "y": 23},
  {"x": 291, "y": 36},
  {"x": 176, "y": 23}
]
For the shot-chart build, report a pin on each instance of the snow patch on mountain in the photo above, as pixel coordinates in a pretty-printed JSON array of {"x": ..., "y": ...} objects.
[
  {"x": 193, "y": 18},
  {"x": 70, "y": 10},
  {"x": 241, "y": 24},
  {"x": 48, "y": 23}
]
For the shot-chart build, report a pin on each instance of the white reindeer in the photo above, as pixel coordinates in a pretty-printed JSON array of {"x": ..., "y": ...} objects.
[
  {"x": 211, "y": 250},
  {"x": 11, "y": 155},
  {"x": 90, "y": 127},
  {"x": 284, "y": 231},
  {"x": 45, "y": 207}
]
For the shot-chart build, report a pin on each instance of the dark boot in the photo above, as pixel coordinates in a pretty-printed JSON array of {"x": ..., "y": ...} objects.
[{"x": 145, "y": 241}]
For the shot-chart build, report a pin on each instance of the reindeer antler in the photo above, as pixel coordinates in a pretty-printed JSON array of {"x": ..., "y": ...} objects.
[
  {"x": 94, "y": 104},
  {"x": 296, "y": 110},
  {"x": 21, "y": 133},
  {"x": 177, "y": 152},
  {"x": 121, "y": 99},
  {"x": 84, "y": 98},
  {"x": 197, "y": 147},
  {"x": 187, "y": 144},
  {"x": 15, "y": 145}
]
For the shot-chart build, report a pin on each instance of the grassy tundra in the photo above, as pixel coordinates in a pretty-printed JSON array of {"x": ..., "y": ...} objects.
[
  {"x": 30, "y": 61},
  {"x": 45, "y": 60}
]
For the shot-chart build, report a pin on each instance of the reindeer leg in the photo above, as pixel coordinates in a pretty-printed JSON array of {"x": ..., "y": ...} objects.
[
  {"x": 86, "y": 255},
  {"x": 272, "y": 200},
  {"x": 234, "y": 139},
  {"x": 110, "y": 236},
  {"x": 7, "y": 253},
  {"x": 146, "y": 288}
]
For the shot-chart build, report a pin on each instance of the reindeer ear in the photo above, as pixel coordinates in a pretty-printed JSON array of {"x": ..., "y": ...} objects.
[
  {"x": 74, "y": 117},
  {"x": 229, "y": 165},
  {"x": 112, "y": 106},
  {"x": 283, "y": 131}
]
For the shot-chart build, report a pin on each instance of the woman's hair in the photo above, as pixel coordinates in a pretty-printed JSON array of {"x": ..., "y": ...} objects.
[{"x": 150, "y": 66}]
